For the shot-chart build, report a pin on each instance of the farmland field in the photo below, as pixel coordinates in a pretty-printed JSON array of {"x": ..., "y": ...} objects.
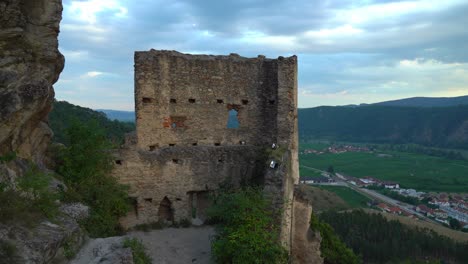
[{"x": 421, "y": 172}]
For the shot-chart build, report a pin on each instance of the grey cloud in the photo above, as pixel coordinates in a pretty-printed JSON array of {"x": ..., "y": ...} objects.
[{"x": 217, "y": 26}]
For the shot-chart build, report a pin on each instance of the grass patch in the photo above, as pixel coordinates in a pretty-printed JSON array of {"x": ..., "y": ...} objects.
[
  {"x": 309, "y": 172},
  {"x": 350, "y": 196},
  {"x": 421, "y": 172},
  {"x": 323, "y": 200},
  {"x": 138, "y": 251}
]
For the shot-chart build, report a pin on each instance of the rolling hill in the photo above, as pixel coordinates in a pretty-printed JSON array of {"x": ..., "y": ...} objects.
[
  {"x": 438, "y": 127},
  {"x": 64, "y": 113}
]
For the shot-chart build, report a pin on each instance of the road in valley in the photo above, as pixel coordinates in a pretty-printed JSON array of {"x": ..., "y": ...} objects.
[{"x": 374, "y": 195}]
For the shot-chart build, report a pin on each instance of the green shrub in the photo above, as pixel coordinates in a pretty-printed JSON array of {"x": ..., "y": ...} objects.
[
  {"x": 138, "y": 251},
  {"x": 36, "y": 184},
  {"x": 247, "y": 231},
  {"x": 68, "y": 250},
  {"x": 32, "y": 201},
  {"x": 85, "y": 166},
  {"x": 8, "y": 157}
]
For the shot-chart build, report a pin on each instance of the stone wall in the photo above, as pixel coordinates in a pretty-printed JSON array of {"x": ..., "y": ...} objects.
[{"x": 184, "y": 148}]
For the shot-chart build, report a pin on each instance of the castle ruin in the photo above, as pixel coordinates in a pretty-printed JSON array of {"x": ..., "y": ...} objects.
[{"x": 204, "y": 121}]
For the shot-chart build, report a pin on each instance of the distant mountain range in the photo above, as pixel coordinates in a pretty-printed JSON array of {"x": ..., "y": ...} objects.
[
  {"x": 427, "y": 101},
  {"x": 125, "y": 116}
]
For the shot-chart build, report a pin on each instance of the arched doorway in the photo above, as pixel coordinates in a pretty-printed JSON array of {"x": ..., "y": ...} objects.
[{"x": 165, "y": 212}]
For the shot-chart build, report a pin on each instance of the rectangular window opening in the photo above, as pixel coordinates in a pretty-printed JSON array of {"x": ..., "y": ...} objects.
[
  {"x": 150, "y": 200},
  {"x": 176, "y": 161},
  {"x": 244, "y": 102},
  {"x": 195, "y": 144},
  {"x": 217, "y": 144},
  {"x": 118, "y": 162},
  {"x": 152, "y": 148},
  {"x": 191, "y": 100},
  {"x": 147, "y": 100},
  {"x": 171, "y": 145},
  {"x": 133, "y": 202},
  {"x": 220, "y": 101},
  {"x": 233, "y": 120},
  {"x": 272, "y": 102},
  {"x": 173, "y": 101}
]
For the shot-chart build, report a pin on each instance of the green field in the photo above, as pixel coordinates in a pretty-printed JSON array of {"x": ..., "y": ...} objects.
[
  {"x": 353, "y": 198},
  {"x": 308, "y": 172},
  {"x": 421, "y": 172},
  {"x": 314, "y": 145}
]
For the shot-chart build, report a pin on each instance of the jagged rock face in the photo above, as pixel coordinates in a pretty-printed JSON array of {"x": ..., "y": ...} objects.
[{"x": 30, "y": 63}]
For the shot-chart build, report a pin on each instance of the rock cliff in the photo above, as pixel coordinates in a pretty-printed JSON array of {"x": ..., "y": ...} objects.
[{"x": 30, "y": 63}]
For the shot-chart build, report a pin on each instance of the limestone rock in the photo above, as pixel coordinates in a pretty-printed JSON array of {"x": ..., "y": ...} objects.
[
  {"x": 76, "y": 211},
  {"x": 305, "y": 243},
  {"x": 30, "y": 64},
  {"x": 44, "y": 243},
  {"x": 104, "y": 251}
]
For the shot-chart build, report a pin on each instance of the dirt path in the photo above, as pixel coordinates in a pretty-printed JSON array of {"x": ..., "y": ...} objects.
[{"x": 178, "y": 245}]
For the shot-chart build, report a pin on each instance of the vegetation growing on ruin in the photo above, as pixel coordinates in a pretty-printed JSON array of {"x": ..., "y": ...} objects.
[
  {"x": 247, "y": 232},
  {"x": 381, "y": 241},
  {"x": 138, "y": 251},
  {"x": 85, "y": 166}
]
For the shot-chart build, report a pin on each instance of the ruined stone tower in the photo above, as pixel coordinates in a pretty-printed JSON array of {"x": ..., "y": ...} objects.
[{"x": 203, "y": 121}]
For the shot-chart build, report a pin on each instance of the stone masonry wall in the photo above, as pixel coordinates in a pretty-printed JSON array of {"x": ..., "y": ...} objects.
[{"x": 183, "y": 148}]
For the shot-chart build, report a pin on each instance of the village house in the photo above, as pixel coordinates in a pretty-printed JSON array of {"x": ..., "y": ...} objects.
[
  {"x": 423, "y": 209},
  {"x": 456, "y": 213},
  {"x": 436, "y": 201},
  {"x": 440, "y": 214},
  {"x": 410, "y": 193},
  {"x": 395, "y": 210},
  {"x": 383, "y": 207},
  {"x": 391, "y": 185}
]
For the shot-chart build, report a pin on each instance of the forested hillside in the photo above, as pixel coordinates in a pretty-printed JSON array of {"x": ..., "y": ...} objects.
[
  {"x": 380, "y": 241},
  {"x": 64, "y": 113},
  {"x": 438, "y": 127}
]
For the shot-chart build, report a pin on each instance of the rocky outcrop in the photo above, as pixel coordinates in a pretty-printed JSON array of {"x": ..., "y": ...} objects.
[
  {"x": 30, "y": 64},
  {"x": 104, "y": 251},
  {"x": 305, "y": 243},
  {"x": 46, "y": 242}
]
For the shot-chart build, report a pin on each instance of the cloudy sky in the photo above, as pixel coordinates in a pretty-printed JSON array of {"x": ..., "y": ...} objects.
[{"x": 349, "y": 51}]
